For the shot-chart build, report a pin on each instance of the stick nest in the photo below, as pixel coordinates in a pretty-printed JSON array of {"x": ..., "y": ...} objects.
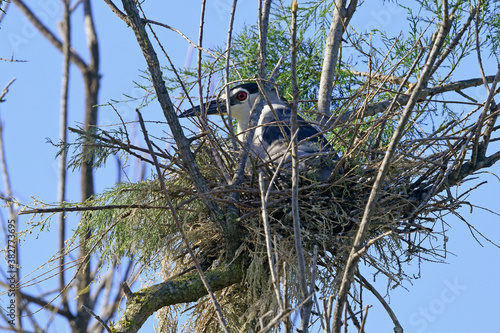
[{"x": 403, "y": 228}]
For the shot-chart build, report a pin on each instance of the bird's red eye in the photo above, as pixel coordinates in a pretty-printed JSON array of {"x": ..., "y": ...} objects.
[{"x": 241, "y": 96}]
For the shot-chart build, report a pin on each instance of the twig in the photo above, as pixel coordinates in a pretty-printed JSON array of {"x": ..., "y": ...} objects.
[
  {"x": 84, "y": 209},
  {"x": 353, "y": 318},
  {"x": 40, "y": 301},
  {"x": 3, "y": 9},
  {"x": 6, "y": 90},
  {"x": 269, "y": 245},
  {"x": 370, "y": 205},
  {"x": 44, "y": 30},
  {"x": 96, "y": 317},
  {"x": 180, "y": 34},
  {"x": 403, "y": 99},
  {"x": 180, "y": 228},
  {"x": 129, "y": 148},
  {"x": 263, "y": 18},
  {"x": 456, "y": 40},
  {"x": 476, "y": 153},
  {"x": 283, "y": 314},
  {"x": 12, "y": 60},
  {"x": 15, "y": 265},
  {"x": 226, "y": 76},
  {"x": 397, "y": 325}
]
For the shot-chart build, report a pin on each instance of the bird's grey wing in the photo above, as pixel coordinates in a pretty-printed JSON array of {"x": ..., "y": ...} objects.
[
  {"x": 273, "y": 131},
  {"x": 274, "y": 138}
]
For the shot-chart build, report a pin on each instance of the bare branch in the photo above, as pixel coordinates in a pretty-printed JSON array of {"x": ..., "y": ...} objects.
[
  {"x": 6, "y": 90},
  {"x": 44, "y": 304},
  {"x": 269, "y": 245},
  {"x": 86, "y": 209},
  {"x": 369, "y": 208},
  {"x": 185, "y": 153},
  {"x": 14, "y": 266},
  {"x": 115, "y": 10},
  {"x": 180, "y": 228},
  {"x": 65, "y": 30},
  {"x": 264, "y": 9},
  {"x": 226, "y": 76},
  {"x": 3, "y": 9},
  {"x": 75, "y": 58},
  {"x": 341, "y": 18},
  {"x": 96, "y": 317},
  {"x": 305, "y": 311},
  {"x": 397, "y": 325},
  {"x": 479, "y": 124},
  {"x": 403, "y": 99}
]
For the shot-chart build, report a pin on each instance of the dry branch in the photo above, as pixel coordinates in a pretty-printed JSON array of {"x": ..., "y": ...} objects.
[
  {"x": 341, "y": 18},
  {"x": 402, "y": 99},
  {"x": 133, "y": 20},
  {"x": 49, "y": 35},
  {"x": 351, "y": 264},
  {"x": 179, "y": 226}
]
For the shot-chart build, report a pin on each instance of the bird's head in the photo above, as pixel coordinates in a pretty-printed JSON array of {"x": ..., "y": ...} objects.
[{"x": 241, "y": 100}]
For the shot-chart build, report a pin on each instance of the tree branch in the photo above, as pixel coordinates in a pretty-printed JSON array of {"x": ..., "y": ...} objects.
[
  {"x": 179, "y": 226},
  {"x": 6, "y": 90},
  {"x": 397, "y": 325},
  {"x": 352, "y": 260},
  {"x": 305, "y": 310},
  {"x": 185, "y": 153},
  {"x": 374, "y": 108},
  {"x": 65, "y": 30},
  {"x": 75, "y": 58},
  {"x": 264, "y": 9},
  {"x": 39, "y": 301},
  {"x": 86, "y": 209},
  {"x": 143, "y": 303},
  {"x": 341, "y": 18}
]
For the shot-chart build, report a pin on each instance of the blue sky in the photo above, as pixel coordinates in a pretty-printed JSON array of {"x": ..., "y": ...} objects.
[{"x": 459, "y": 296}]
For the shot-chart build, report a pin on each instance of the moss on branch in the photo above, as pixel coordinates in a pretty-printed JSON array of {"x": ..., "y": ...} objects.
[{"x": 184, "y": 289}]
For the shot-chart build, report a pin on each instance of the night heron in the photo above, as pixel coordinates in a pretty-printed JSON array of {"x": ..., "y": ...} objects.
[{"x": 271, "y": 139}]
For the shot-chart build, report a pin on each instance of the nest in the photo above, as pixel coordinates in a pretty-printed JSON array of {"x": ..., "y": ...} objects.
[{"x": 402, "y": 229}]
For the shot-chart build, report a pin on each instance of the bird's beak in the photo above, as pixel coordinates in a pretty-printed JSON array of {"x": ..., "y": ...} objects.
[{"x": 211, "y": 108}]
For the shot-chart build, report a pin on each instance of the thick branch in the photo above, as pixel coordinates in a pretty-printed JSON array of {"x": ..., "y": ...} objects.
[
  {"x": 142, "y": 304},
  {"x": 341, "y": 18},
  {"x": 91, "y": 80},
  {"x": 187, "y": 157}
]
